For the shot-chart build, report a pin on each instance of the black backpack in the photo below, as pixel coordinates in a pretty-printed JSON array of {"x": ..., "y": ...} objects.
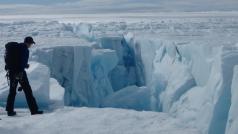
[{"x": 12, "y": 56}]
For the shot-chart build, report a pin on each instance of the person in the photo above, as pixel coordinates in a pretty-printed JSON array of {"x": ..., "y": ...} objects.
[{"x": 20, "y": 76}]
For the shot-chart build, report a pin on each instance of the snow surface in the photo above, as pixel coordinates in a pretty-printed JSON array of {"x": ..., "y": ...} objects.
[{"x": 94, "y": 121}]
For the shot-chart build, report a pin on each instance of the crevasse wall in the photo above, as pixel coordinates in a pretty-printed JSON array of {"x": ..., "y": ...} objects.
[
  {"x": 81, "y": 70},
  {"x": 191, "y": 81}
]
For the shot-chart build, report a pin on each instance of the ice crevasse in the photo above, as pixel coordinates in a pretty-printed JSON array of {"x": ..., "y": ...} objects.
[{"x": 193, "y": 82}]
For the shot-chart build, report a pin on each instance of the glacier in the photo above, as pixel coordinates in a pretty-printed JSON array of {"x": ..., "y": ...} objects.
[{"x": 184, "y": 67}]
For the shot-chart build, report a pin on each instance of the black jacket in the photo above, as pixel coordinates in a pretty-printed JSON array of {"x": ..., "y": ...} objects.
[{"x": 24, "y": 56}]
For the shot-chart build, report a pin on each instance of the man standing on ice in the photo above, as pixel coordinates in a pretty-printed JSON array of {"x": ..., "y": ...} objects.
[{"x": 16, "y": 58}]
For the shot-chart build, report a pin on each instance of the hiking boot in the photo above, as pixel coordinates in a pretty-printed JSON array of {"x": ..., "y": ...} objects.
[
  {"x": 37, "y": 112},
  {"x": 13, "y": 113}
]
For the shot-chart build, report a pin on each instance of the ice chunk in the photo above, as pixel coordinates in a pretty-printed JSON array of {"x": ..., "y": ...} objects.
[
  {"x": 82, "y": 71},
  {"x": 39, "y": 76},
  {"x": 131, "y": 97},
  {"x": 56, "y": 93}
]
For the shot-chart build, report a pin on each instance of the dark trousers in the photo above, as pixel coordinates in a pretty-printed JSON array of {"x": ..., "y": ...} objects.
[{"x": 14, "y": 80}]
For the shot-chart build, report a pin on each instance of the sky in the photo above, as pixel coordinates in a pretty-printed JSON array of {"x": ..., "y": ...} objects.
[{"x": 113, "y": 6}]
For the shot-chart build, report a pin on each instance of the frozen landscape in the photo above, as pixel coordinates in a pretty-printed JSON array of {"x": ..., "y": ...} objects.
[{"x": 166, "y": 73}]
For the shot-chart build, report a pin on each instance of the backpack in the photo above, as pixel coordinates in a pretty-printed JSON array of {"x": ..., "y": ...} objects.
[{"x": 12, "y": 56}]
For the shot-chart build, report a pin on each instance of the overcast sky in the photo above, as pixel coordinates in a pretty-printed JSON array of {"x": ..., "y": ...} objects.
[{"x": 113, "y": 6}]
